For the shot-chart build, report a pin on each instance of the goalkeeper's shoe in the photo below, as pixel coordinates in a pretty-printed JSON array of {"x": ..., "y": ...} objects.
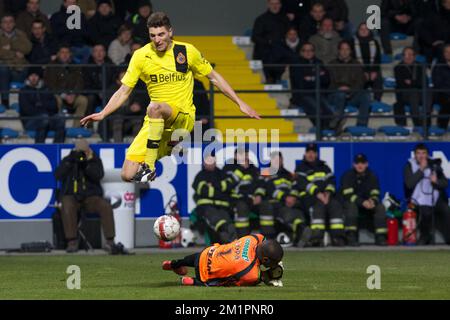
[
  {"x": 145, "y": 174},
  {"x": 187, "y": 281},
  {"x": 167, "y": 265}
]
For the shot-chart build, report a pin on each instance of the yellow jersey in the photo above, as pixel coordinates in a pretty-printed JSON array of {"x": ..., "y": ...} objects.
[{"x": 169, "y": 75}]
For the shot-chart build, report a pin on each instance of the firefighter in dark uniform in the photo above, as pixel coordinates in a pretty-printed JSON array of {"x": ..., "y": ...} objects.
[
  {"x": 316, "y": 187},
  {"x": 288, "y": 216},
  {"x": 248, "y": 196},
  {"x": 360, "y": 192},
  {"x": 212, "y": 196}
]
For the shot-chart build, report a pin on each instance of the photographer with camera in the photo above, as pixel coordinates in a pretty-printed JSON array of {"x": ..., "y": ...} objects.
[
  {"x": 80, "y": 173},
  {"x": 425, "y": 187}
]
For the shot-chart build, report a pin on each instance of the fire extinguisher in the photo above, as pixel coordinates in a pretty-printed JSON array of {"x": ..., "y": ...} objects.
[
  {"x": 392, "y": 234},
  {"x": 409, "y": 226},
  {"x": 175, "y": 212}
]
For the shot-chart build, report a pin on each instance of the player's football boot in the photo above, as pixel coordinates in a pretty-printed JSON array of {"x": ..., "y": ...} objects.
[
  {"x": 187, "y": 281},
  {"x": 145, "y": 174},
  {"x": 167, "y": 265}
]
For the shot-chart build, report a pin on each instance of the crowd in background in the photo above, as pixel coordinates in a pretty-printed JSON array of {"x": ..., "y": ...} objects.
[{"x": 314, "y": 33}]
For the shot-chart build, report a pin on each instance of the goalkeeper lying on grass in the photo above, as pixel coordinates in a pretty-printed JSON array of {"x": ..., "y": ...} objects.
[{"x": 244, "y": 262}]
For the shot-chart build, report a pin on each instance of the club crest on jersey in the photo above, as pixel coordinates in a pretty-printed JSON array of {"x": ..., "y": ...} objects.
[{"x": 181, "y": 58}]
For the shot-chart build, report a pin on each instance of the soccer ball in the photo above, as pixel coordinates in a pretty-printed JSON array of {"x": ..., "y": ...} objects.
[{"x": 166, "y": 228}]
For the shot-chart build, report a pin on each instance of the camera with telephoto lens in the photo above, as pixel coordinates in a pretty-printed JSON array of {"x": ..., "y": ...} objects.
[{"x": 435, "y": 165}]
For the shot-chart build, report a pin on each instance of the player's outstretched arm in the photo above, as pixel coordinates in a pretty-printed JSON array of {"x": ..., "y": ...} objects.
[
  {"x": 225, "y": 87},
  {"x": 117, "y": 100}
]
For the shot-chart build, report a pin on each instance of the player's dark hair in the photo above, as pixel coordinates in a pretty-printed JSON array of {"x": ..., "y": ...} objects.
[
  {"x": 272, "y": 250},
  {"x": 159, "y": 19}
]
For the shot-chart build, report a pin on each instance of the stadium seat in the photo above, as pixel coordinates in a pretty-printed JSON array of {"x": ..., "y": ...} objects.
[
  {"x": 433, "y": 131},
  {"x": 394, "y": 131},
  {"x": 390, "y": 83},
  {"x": 380, "y": 107},
  {"x": 436, "y": 107},
  {"x": 16, "y": 85},
  {"x": 398, "y": 36},
  {"x": 351, "y": 109},
  {"x": 8, "y": 133},
  {"x": 248, "y": 33},
  {"x": 98, "y": 109},
  {"x": 357, "y": 131},
  {"x": 386, "y": 58},
  {"x": 15, "y": 107},
  {"x": 325, "y": 133},
  {"x": 32, "y": 134},
  {"x": 2, "y": 108},
  {"x": 78, "y": 133}
]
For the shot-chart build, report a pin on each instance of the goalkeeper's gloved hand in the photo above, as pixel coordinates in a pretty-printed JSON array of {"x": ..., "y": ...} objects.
[{"x": 272, "y": 276}]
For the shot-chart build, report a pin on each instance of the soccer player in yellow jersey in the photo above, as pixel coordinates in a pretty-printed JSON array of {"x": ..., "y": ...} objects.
[{"x": 168, "y": 68}]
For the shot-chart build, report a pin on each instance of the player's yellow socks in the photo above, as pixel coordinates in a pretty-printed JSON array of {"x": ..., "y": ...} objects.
[{"x": 154, "y": 138}]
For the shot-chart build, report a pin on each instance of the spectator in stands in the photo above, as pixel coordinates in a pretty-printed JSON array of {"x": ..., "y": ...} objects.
[
  {"x": 435, "y": 32},
  {"x": 64, "y": 77},
  {"x": 269, "y": 31},
  {"x": 134, "y": 47},
  {"x": 76, "y": 38},
  {"x": 14, "y": 45},
  {"x": 296, "y": 10},
  {"x": 202, "y": 105},
  {"x": 44, "y": 45},
  {"x": 338, "y": 11},
  {"x": 88, "y": 7},
  {"x": 368, "y": 52},
  {"x": 310, "y": 25},
  {"x": 138, "y": 21},
  {"x": 121, "y": 46},
  {"x": 292, "y": 41},
  {"x": 125, "y": 9},
  {"x": 441, "y": 82},
  {"x": 348, "y": 79},
  {"x": 410, "y": 82},
  {"x": 25, "y": 18},
  {"x": 425, "y": 188},
  {"x": 35, "y": 100},
  {"x": 284, "y": 52},
  {"x": 396, "y": 16},
  {"x": 104, "y": 24},
  {"x": 14, "y": 6},
  {"x": 134, "y": 108},
  {"x": 326, "y": 41},
  {"x": 303, "y": 77},
  {"x": 93, "y": 76},
  {"x": 80, "y": 174}
]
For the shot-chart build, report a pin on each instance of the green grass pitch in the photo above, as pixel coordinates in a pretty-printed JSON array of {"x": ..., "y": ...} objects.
[{"x": 308, "y": 275}]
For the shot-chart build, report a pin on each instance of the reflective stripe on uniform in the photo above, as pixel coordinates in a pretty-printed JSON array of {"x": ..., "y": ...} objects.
[
  {"x": 347, "y": 191},
  {"x": 316, "y": 176},
  {"x": 223, "y": 185},
  {"x": 200, "y": 186},
  {"x": 219, "y": 224},
  {"x": 311, "y": 187},
  {"x": 317, "y": 227},
  {"x": 380, "y": 230},
  {"x": 278, "y": 194},
  {"x": 331, "y": 188},
  {"x": 205, "y": 201},
  {"x": 222, "y": 203},
  {"x": 337, "y": 226},
  {"x": 260, "y": 191},
  {"x": 351, "y": 228},
  {"x": 242, "y": 224},
  {"x": 375, "y": 192},
  {"x": 295, "y": 224},
  {"x": 211, "y": 191},
  {"x": 353, "y": 198}
]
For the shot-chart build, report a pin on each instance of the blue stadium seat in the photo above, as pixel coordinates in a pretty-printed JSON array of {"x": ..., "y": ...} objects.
[
  {"x": 32, "y": 134},
  {"x": 248, "y": 33},
  {"x": 433, "y": 131},
  {"x": 386, "y": 58},
  {"x": 2, "y": 108},
  {"x": 421, "y": 59},
  {"x": 98, "y": 109},
  {"x": 380, "y": 107},
  {"x": 16, "y": 85},
  {"x": 325, "y": 133},
  {"x": 394, "y": 131},
  {"x": 398, "y": 36},
  {"x": 8, "y": 133},
  {"x": 357, "y": 131},
  {"x": 15, "y": 106},
  {"x": 351, "y": 109},
  {"x": 78, "y": 133},
  {"x": 390, "y": 83}
]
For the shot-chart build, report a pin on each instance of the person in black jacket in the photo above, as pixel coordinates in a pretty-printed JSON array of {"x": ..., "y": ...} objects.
[
  {"x": 303, "y": 77},
  {"x": 44, "y": 47},
  {"x": 138, "y": 21},
  {"x": 360, "y": 193},
  {"x": 80, "y": 174},
  {"x": 269, "y": 30},
  {"x": 338, "y": 11},
  {"x": 35, "y": 100},
  {"x": 367, "y": 51},
  {"x": 212, "y": 196},
  {"x": 409, "y": 78},
  {"x": 310, "y": 24},
  {"x": 316, "y": 187},
  {"x": 296, "y": 10},
  {"x": 425, "y": 188},
  {"x": 288, "y": 215},
  {"x": 248, "y": 195},
  {"x": 441, "y": 82},
  {"x": 104, "y": 24}
]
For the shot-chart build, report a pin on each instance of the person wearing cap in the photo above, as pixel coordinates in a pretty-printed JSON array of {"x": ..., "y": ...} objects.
[
  {"x": 249, "y": 195},
  {"x": 316, "y": 187},
  {"x": 288, "y": 215},
  {"x": 36, "y": 101},
  {"x": 212, "y": 189},
  {"x": 80, "y": 174},
  {"x": 247, "y": 261},
  {"x": 360, "y": 194}
]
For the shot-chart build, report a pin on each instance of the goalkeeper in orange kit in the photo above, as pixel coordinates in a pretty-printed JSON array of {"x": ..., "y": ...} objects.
[{"x": 244, "y": 262}]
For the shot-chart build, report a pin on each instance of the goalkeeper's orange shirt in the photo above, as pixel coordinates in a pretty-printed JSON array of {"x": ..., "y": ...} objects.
[{"x": 233, "y": 263}]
